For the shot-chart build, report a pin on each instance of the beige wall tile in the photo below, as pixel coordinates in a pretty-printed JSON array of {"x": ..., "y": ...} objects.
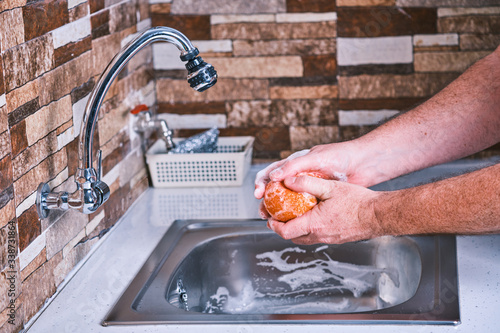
[
  {"x": 43, "y": 172},
  {"x": 33, "y": 155},
  {"x": 285, "y": 47},
  {"x": 258, "y": 67},
  {"x": 64, "y": 230},
  {"x": 14, "y": 35},
  {"x": 303, "y": 92},
  {"x": 27, "y": 61},
  {"x": 362, "y": 3},
  {"x": 446, "y": 61},
  {"x": 21, "y": 95},
  {"x": 60, "y": 81},
  {"x": 44, "y": 121},
  {"x": 393, "y": 86},
  {"x": 272, "y": 31},
  {"x": 307, "y": 137},
  {"x": 169, "y": 90}
]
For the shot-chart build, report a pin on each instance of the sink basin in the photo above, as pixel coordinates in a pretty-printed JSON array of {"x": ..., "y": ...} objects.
[{"x": 238, "y": 271}]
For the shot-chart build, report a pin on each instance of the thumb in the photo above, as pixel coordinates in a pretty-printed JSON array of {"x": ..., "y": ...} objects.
[{"x": 320, "y": 188}]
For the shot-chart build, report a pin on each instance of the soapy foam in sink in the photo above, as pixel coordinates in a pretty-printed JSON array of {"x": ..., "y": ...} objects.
[{"x": 310, "y": 286}]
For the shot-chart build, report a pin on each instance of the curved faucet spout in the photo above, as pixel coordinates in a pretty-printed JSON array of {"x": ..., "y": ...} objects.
[
  {"x": 91, "y": 191},
  {"x": 94, "y": 103}
]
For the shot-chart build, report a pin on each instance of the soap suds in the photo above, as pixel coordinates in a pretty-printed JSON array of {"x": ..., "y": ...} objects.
[{"x": 320, "y": 285}]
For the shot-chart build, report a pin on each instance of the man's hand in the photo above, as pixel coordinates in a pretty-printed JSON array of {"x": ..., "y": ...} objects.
[{"x": 344, "y": 213}]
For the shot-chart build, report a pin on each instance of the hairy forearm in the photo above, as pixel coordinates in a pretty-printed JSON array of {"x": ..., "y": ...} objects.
[
  {"x": 467, "y": 204},
  {"x": 462, "y": 119}
]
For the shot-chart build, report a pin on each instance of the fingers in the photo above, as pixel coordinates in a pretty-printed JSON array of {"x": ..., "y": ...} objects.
[
  {"x": 262, "y": 178},
  {"x": 290, "y": 230},
  {"x": 320, "y": 188},
  {"x": 263, "y": 211},
  {"x": 294, "y": 164}
]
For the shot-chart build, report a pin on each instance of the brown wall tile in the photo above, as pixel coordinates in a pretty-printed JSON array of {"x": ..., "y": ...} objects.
[
  {"x": 224, "y": 90},
  {"x": 21, "y": 95},
  {"x": 375, "y": 69},
  {"x": 2, "y": 86},
  {"x": 18, "y": 138},
  {"x": 299, "y": 6},
  {"x": 27, "y": 61},
  {"x": 122, "y": 16},
  {"x": 302, "y": 137},
  {"x": 303, "y": 81},
  {"x": 353, "y": 132},
  {"x": 320, "y": 65},
  {"x": 479, "y": 42},
  {"x": 47, "y": 169},
  {"x": 5, "y": 147},
  {"x": 43, "y": 16},
  {"x": 195, "y": 27},
  {"x": 24, "y": 111},
  {"x": 446, "y": 61},
  {"x": 269, "y": 31},
  {"x": 469, "y": 24},
  {"x": 100, "y": 24},
  {"x": 160, "y": 8},
  {"x": 393, "y": 86},
  {"x": 39, "y": 286},
  {"x": 5, "y": 172},
  {"x": 401, "y": 103},
  {"x": 29, "y": 227},
  {"x": 96, "y": 5},
  {"x": 284, "y": 47},
  {"x": 14, "y": 35},
  {"x": 303, "y": 92},
  {"x": 58, "y": 82},
  {"x": 116, "y": 156},
  {"x": 6, "y": 197},
  {"x": 79, "y": 12},
  {"x": 385, "y": 21},
  {"x": 81, "y": 91},
  {"x": 71, "y": 50},
  {"x": 40, "y": 259},
  {"x": 34, "y": 154},
  {"x": 192, "y": 108}
]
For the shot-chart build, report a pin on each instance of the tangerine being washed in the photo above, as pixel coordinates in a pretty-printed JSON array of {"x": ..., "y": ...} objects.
[{"x": 284, "y": 204}]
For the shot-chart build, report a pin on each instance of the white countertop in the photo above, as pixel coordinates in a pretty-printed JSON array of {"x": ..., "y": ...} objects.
[{"x": 93, "y": 288}]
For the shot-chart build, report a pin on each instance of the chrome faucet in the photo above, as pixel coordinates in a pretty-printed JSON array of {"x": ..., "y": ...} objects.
[{"x": 91, "y": 191}]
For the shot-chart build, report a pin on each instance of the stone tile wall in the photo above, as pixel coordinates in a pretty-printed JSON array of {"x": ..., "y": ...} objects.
[
  {"x": 51, "y": 54},
  {"x": 293, "y": 73},
  {"x": 297, "y": 73}
]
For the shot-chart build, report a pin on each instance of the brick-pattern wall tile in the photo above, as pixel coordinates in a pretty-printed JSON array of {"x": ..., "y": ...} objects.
[
  {"x": 298, "y": 6},
  {"x": 18, "y": 138},
  {"x": 195, "y": 27},
  {"x": 271, "y": 31},
  {"x": 29, "y": 227},
  {"x": 100, "y": 24},
  {"x": 27, "y": 61},
  {"x": 15, "y": 34},
  {"x": 43, "y": 16},
  {"x": 50, "y": 58},
  {"x": 385, "y": 21},
  {"x": 70, "y": 51},
  {"x": 227, "y": 6}
]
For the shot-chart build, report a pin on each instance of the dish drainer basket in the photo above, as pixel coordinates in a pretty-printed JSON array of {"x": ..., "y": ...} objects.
[{"x": 228, "y": 166}]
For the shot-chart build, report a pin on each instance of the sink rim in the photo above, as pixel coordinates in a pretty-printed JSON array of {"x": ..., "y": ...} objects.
[{"x": 122, "y": 312}]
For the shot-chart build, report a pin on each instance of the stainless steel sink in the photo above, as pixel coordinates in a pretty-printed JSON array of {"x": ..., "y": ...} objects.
[{"x": 237, "y": 271}]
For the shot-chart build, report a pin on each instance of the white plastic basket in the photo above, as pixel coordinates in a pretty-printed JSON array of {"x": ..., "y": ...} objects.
[{"x": 226, "y": 167}]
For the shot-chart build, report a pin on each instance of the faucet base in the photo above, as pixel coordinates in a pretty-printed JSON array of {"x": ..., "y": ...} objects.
[{"x": 41, "y": 200}]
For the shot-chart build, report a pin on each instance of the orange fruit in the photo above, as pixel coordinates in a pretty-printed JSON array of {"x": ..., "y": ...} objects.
[{"x": 284, "y": 204}]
